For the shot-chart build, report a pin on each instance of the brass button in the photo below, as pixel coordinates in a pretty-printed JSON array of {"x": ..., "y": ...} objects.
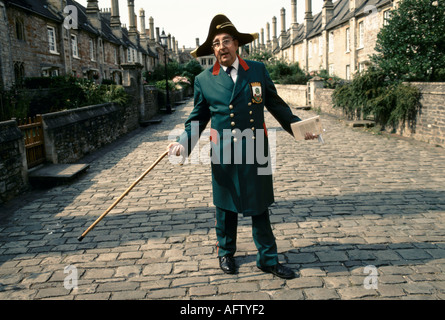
[
  {"x": 232, "y": 124},
  {"x": 235, "y": 139},
  {"x": 253, "y": 137},
  {"x": 253, "y": 128},
  {"x": 233, "y": 131},
  {"x": 249, "y": 104},
  {"x": 231, "y": 107},
  {"x": 250, "y": 112},
  {"x": 251, "y": 120},
  {"x": 232, "y": 115}
]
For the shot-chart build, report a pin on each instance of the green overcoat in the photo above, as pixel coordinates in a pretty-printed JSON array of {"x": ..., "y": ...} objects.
[{"x": 241, "y": 165}]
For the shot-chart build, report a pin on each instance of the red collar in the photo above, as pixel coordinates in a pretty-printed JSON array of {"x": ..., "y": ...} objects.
[{"x": 217, "y": 66}]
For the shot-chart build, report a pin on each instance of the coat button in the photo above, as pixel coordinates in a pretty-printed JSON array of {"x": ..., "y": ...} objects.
[
  {"x": 250, "y": 112},
  {"x": 235, "y": 139},
  {"x": 233, "y": 131},
  {"x": 231, "y": 107},
  {"x": 251, "y": 120},
  {"x": 232, "y": 115},
  {"x": 253, "y": 128},
  {"x": 249, "y": 104},
  {"x": 232, "y": 124}
]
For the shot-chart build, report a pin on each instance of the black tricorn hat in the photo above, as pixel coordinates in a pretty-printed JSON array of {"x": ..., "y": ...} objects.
[{"x": 222, "y": 24}]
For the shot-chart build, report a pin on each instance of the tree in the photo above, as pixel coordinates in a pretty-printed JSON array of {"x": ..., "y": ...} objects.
[{"x": 412, "y": 45}]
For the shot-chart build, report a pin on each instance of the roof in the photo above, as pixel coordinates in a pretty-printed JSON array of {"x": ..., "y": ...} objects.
[{"x": 38, "y": 7}]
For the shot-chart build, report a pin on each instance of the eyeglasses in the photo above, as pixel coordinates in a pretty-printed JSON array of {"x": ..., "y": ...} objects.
[{"x": 226, "y": 43}]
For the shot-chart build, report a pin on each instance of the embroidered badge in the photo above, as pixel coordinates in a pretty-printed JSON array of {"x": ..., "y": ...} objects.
[{"x": 257, "y": 95}]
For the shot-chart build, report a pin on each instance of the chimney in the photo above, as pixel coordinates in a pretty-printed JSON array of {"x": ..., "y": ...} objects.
[
  {"x": 274, "y": 36},
  {"x": 294, "y": 23},
  {"x": 58, "y": 5},
  {"x": 354, "y": 4},
  {"x": 115, "y": 21},
  {"x": 327, "y": 13},
  {"x": 169, "y": 42},
  {"x": 262, "y": 39},
  {"x": 308, "y": 18},
  {"x": 132, "y": 30},
  {"x": 142, "y": 23},
  {"x": 158, "y": 35},
  {"x": 151, "y": 23},
  {"x": 268, "y": 35},
  {"x": 93, "y": 14},
  {"x": 283, "y": 35},
  {"x": 197, "y": 42}
]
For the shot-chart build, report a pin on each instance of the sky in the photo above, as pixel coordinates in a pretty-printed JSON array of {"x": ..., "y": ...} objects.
[{"x": 187, "y": 20}]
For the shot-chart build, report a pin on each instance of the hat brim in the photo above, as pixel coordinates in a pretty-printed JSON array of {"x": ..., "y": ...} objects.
[{"x": 221, "y": 24}]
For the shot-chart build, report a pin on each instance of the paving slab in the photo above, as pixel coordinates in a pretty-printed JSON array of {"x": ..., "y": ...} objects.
[{"x": 359, "y": 208}]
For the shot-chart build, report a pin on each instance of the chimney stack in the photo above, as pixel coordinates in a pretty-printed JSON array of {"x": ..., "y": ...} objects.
[
  {"x": 283, "y": 35},
  {"x": 327, "y": 13},
  {"x": 132, "y": 30},
  {"x": 142, "y": 22},
  {"x": 274, "y": 30},
  {"x": 308, "y": 18},
  {"x": 93, "y": 14}
]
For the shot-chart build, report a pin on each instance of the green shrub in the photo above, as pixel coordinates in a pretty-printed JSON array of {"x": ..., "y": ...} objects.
[{"x": 370, "y": 93}]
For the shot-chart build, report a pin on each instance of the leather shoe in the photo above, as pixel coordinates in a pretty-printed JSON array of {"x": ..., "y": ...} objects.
[
  {"x": 279, "y": 270},
  {"x": 227, "y": 264}
]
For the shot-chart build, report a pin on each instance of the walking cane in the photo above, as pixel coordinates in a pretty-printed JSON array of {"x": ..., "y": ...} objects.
[{"x": 122, "y": 196}]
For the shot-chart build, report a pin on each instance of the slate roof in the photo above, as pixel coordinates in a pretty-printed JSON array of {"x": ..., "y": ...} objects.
[{"x": 39, "y": 7}]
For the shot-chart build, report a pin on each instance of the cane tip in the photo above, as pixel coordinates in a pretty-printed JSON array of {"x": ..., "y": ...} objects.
[{"x": 80, "y": 238}]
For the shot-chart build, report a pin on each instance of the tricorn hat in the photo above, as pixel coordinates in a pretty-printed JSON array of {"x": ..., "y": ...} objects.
[{"x": 222, "y": 24}]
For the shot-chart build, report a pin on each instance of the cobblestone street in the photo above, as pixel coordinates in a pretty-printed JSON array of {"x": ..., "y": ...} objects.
[{"x": 359, "y": 200}]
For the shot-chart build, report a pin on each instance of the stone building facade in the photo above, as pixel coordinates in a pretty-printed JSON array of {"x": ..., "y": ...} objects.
[
  {"x": 339, "y": 39},
  {"x": 62, "y": 37}
]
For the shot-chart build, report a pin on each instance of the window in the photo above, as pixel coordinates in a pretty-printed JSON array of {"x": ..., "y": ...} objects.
[
  {"x": 19, "y": 29},
  {"x": 115, "y": 56},
  {"x": 320, "y": 46},
  {"x": 331, "y": 41},
  {"x": 203, "y": 62},
  {"x": 19, "y": 72},
  {"x": 348, "y": 40},
  {"x": 210, "y": 61},
  {"x": 348, "y": 72},
  {"x": 386, "y": 17},
  {"x": 74, "y": 47},
  {"x": 52, "y": 39},
  {"x": 361, "y": 35},
  {"x": 92, "y": 55}
]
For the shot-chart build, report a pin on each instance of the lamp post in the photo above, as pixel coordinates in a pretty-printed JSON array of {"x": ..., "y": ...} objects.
[{"x": 164, "y": 39}]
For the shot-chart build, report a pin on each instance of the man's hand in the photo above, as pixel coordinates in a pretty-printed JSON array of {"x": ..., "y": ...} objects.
[
  {"x": 176, "y": 149},
  {"x": 310, "y": 136}
]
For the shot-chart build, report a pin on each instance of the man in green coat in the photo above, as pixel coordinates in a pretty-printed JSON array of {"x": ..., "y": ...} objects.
[{"x": 232, "y": 95}]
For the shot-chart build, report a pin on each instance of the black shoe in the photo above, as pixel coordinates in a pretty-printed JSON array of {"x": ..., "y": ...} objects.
[
  {"x": 280, "y": 271},
  {"x": 227, "y": 264}
]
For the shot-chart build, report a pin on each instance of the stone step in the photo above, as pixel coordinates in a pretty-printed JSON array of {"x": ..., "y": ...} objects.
[{"x": 49, "y": 175}]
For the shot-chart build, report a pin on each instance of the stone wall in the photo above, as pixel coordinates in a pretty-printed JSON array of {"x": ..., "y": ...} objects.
[
  {"x": 13, "y": 167},
  {"x": 294, "y": 95},
  {"x": 430, "y": 124},
  {"x": 72, "y": 134}
]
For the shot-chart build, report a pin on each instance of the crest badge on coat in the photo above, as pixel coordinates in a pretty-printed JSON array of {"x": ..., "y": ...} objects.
[{"x": 257, "y": 94}]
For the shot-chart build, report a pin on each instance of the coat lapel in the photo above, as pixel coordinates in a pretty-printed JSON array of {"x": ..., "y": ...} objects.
[
  {"x": 222, "y": 78},
  {"x": 242, "y": 79}
]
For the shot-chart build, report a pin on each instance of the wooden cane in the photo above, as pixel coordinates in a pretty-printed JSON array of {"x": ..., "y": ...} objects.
[{"x": 122, "y": 196}]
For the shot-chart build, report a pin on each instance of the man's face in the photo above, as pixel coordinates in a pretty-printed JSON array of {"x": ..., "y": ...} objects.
[{"x": 224, "y": 48}]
